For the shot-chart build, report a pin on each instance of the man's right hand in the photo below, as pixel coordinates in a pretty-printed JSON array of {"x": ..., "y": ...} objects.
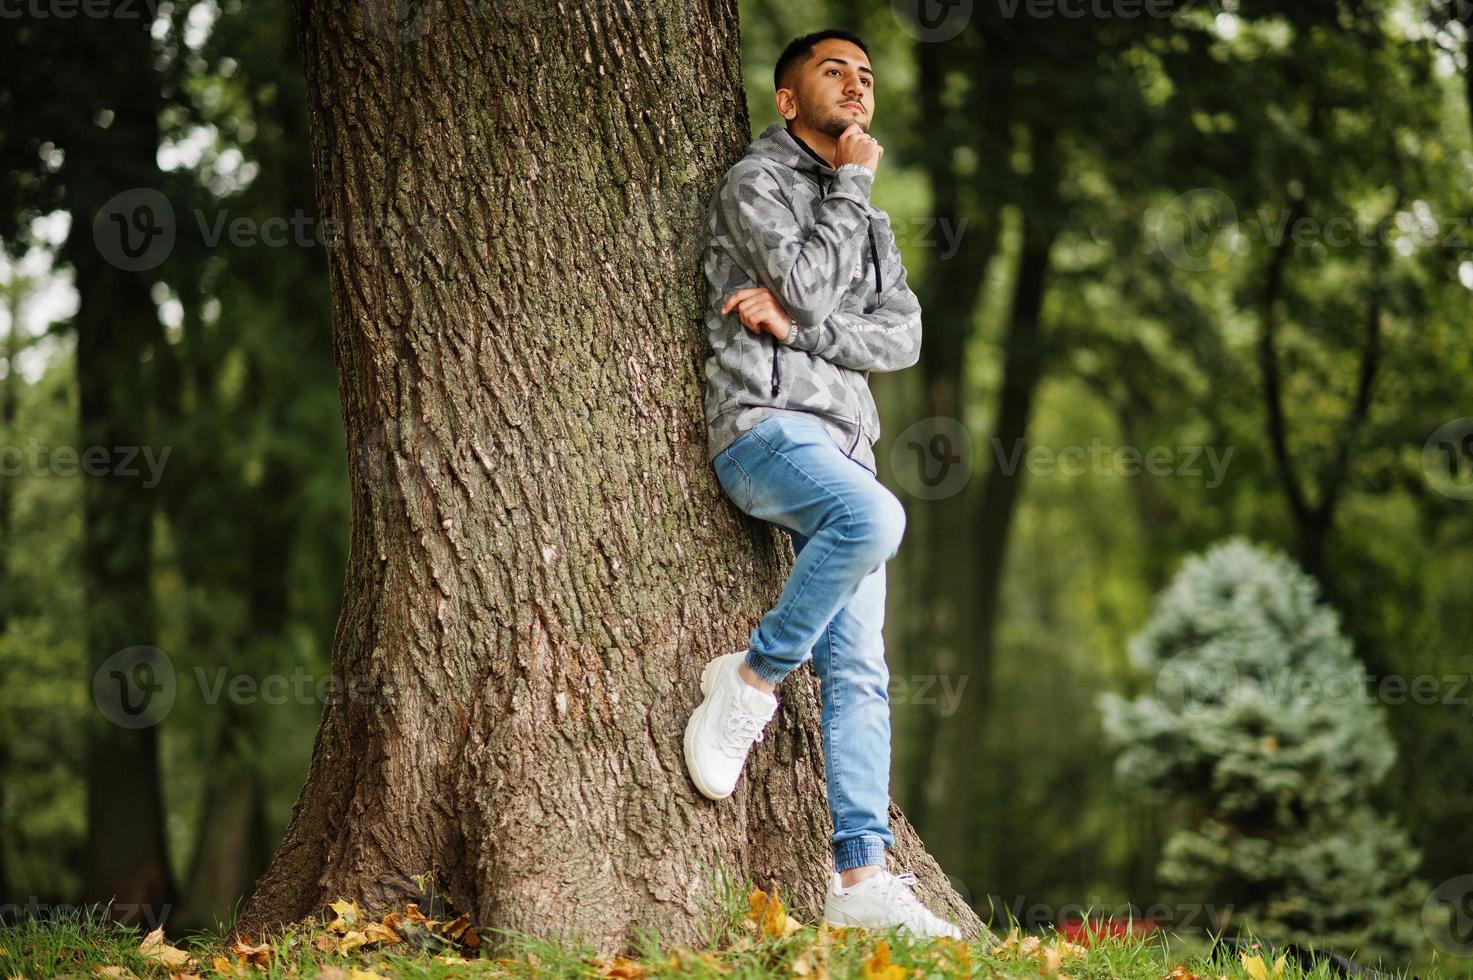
[
  {"x": 857, "y": 146},
  {"x": 759, "y": 310}
]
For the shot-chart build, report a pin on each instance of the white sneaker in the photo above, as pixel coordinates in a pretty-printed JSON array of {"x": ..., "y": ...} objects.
[
  {"x": 883, "y": 900},
  {"x": 723, "y": 727}
]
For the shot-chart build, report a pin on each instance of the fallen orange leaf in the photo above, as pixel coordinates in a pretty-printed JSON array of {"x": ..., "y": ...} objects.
[
  {"x": 254, "y": 955},
  {"x": 377, "y": 932},
  {"x": 879, "y": 967},
  {"x": 621, "y": 968},
  {"x": 226, "y": 968},
  {"x": 771, "y": 919}
]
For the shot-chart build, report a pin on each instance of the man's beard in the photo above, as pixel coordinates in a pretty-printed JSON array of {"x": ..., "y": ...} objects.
[{"x": 828, "y": 121}]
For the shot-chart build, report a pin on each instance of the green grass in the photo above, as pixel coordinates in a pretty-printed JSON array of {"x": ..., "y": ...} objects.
[{"x": 76, "y": 947}]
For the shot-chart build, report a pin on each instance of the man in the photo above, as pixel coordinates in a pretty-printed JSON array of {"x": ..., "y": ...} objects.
[{"x": 807, "y": 296}]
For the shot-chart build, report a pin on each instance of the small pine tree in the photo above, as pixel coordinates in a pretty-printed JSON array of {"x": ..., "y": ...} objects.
[{"x": 1260, "y": 722}]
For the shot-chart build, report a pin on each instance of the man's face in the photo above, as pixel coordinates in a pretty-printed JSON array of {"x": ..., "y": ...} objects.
[{"x": 831, "y": 89}]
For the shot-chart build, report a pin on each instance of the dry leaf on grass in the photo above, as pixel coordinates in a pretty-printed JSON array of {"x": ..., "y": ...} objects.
[
  {"x": 686, "y": 961},
  {"x": 879, "y": 967},
  {"x": 259, "y": 955},
  {"x": 226, "y": 968},
  {"x": 1050, "y": 956},
  {"x": 771, "y": 919},
  {"x": 351, "y": 929},
  {"x": 1180, "y": 972},
  {"x": 378, "y": 932},
  {"x": 121, "y": 972},
  {"x": 828, "y": 935},
  {"x": 1257, "y": 970},
  {"x": 155, "y": 947},
  {"x": 812, "y": 962},
  {"x": 621, "y": 968},
  {"x": 951, "y": 955},
  {"x": 349, "y": 916},
  {"x": 461, "y": 930}
]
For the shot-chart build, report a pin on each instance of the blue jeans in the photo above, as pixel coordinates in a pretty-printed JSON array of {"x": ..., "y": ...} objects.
[{"x": 845, "y": 525}]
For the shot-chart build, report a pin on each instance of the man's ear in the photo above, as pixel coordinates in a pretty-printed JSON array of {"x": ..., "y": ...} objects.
[{"x": 787, "y": 105}]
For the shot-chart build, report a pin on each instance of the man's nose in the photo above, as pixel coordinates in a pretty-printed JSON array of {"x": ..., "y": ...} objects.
[{"x": 852, "y": 86}]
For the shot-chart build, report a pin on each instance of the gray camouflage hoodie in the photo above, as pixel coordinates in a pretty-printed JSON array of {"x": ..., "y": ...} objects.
[{"x": 783, "y": 218}]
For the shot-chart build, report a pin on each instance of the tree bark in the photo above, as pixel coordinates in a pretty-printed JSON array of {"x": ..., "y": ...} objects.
[{"x": 541, "y": 560}]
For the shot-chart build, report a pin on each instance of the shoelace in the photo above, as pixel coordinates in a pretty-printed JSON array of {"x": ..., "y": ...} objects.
[
  {"x": 897, "y": 888},
  {"x": 740, "y": 732}
]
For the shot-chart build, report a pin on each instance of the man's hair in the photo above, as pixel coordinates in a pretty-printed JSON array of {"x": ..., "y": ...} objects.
[{"x": 799, "y": 48}]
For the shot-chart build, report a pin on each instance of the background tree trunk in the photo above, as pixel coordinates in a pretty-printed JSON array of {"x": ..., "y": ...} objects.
[
  {"x": 117, "y": 326},
  {"x": 541, "y": 559},
  {"x": 14, "y": 292},
  {"x": 941, "y": 616}
]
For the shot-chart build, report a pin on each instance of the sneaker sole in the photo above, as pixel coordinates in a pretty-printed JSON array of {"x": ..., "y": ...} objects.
[
  {"x": 690, "y": 730},
  {"x": 829, "y": 919}
]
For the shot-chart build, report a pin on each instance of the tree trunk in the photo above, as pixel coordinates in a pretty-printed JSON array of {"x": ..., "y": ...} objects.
[
  {"x": 125, "y": 857},
  {"x": 233, "y": 844},
  {"x": 940, "y": 613},
  {"x": 952, "y": 783},
  {"x": 248, "y": 559},
  {"x": 541, "y": 560},
  {"x": 15, "y": 292}
]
